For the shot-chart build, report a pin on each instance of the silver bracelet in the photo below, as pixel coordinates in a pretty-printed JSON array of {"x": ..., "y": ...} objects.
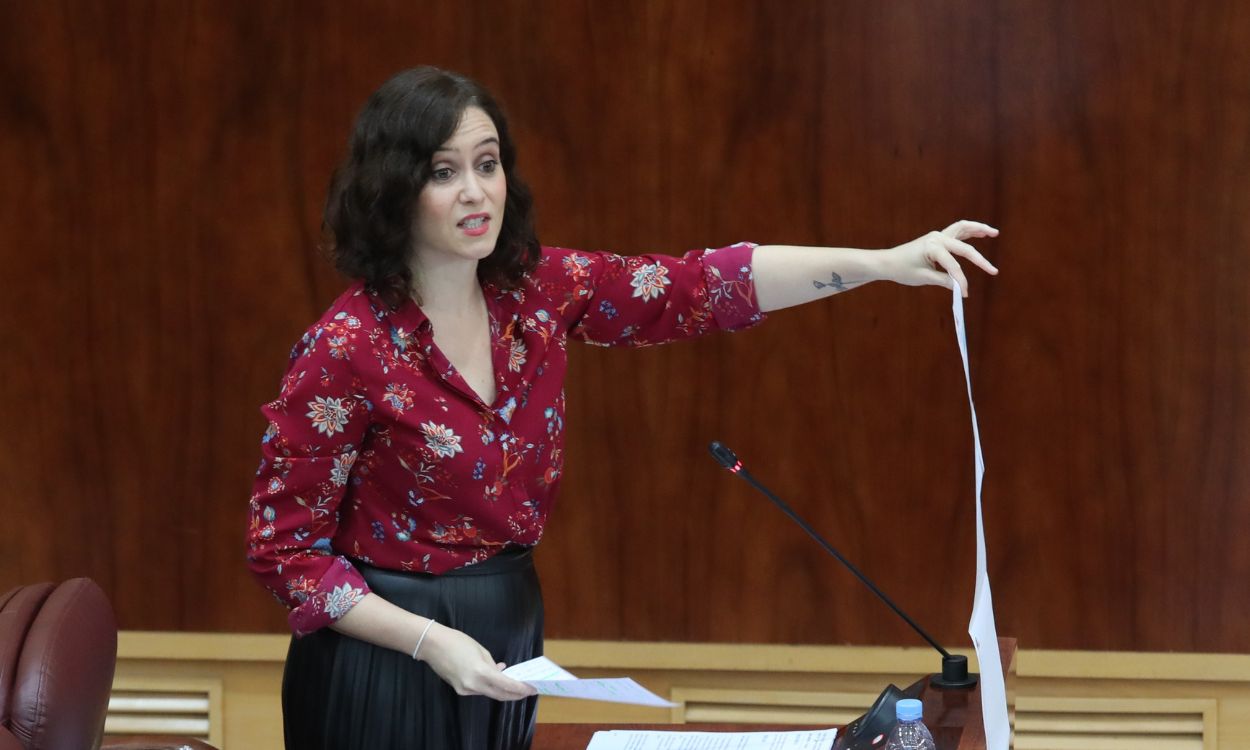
[{"x": 422, "y": 638}]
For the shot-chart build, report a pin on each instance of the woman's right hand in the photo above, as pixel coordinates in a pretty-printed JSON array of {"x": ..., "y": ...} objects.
[{"x": 468, "y": 667}]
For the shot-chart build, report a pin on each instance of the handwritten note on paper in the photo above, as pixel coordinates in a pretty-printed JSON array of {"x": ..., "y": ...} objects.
[
  {"x": 981, "y": 624},
  {"x": 629, "y": 740},
  {"x": 549, "y": 678}
]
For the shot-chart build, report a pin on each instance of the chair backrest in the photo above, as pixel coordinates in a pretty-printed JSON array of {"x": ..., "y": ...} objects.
[{"x": 58, "y": 649}]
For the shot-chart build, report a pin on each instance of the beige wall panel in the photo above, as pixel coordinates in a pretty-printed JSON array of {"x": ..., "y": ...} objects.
[{"x": 1057, "y": 695}]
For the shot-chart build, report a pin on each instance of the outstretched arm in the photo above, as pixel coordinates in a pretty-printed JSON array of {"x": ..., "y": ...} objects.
[{"x": 786, "y": 275}]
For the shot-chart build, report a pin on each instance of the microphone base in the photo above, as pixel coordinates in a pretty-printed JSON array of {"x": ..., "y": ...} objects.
[
  {"x": 938, "y": 682},
  {"x": 954, "y": 674}
]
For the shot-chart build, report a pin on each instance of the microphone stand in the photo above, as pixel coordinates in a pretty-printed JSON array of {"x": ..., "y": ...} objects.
[{"x": 954, "y": 673}]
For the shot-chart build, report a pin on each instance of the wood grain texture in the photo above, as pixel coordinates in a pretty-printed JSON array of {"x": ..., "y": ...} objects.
[{"x": 163, "y": 170}]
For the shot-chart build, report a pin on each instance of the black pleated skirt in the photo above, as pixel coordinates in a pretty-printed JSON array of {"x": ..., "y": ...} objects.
[{"x": 340, "y": 693}]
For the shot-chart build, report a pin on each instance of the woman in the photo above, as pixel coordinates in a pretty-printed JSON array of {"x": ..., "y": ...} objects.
[{"x": 415, "y": 449}]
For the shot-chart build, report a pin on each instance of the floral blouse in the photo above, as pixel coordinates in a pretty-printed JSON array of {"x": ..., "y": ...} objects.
[{"x": 377, "y": 450}]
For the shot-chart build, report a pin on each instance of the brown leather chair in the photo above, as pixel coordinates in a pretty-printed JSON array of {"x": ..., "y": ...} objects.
[
  {"x": 58, "y": 649},
  {"x": 58, "y": 646}
]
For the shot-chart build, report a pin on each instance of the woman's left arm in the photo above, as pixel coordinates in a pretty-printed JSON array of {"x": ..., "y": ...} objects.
[{"x": 786, "y": 275}]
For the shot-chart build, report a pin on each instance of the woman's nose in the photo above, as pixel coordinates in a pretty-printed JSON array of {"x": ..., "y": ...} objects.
[{"x": 471, "y": 190}]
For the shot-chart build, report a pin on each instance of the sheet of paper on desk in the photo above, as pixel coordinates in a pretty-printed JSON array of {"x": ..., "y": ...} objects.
[
  {"x": 549, "y": 678},
  {"x": 620, "y": 739}
]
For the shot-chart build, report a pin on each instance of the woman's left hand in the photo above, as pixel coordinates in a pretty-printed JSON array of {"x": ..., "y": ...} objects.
[{"x": 931, "y": 259}]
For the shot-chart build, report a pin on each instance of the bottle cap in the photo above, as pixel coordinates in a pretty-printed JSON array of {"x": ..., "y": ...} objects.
[{"x": 908, "y": 709}]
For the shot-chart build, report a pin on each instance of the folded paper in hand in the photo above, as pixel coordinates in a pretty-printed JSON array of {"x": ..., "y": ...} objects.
[{"x": 548, "y": 678}]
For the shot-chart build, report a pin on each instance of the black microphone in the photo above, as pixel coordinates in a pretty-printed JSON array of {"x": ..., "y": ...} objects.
[{"x": 954, "y": 666}]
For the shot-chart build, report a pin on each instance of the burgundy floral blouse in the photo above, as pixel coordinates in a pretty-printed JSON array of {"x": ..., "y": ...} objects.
[{"x": 377, "y": 450}]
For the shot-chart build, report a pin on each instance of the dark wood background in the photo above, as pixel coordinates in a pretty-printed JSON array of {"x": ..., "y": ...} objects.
[{"x": 162, "y": 168}]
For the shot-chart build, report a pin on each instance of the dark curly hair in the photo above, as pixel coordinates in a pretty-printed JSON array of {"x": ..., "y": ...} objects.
[{"x": 373, "y": 194}]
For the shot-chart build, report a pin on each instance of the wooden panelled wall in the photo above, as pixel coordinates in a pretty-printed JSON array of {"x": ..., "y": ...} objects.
[{"x": 162, "y": 167}]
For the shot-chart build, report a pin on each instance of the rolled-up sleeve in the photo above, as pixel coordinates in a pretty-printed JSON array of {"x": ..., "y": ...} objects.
[
  {"x": 315, "y": 430},
  {"x": 641, "y": 300}
]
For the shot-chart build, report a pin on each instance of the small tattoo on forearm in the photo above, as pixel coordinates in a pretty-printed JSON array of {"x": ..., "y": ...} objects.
[{"x": 835, "y": 281}]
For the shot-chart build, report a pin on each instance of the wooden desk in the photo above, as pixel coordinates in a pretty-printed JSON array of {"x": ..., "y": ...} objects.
[{"x": 953, "y": 716}]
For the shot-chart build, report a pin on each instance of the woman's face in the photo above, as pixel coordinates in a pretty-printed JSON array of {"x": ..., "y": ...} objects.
[{"x": 460, "y": 209}]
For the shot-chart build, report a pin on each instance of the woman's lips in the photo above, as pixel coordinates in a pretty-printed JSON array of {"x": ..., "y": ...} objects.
[{"x": 476, "y": 225}]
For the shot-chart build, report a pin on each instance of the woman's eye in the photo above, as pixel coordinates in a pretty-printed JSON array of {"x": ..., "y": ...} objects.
[
  {"x": 442, "y": 174},
  {"x": 489, "y": 166}
]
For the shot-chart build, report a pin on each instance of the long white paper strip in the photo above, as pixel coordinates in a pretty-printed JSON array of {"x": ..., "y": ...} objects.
[{"x": 981, "y": 624}]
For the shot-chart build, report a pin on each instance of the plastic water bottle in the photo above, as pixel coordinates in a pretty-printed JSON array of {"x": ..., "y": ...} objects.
[{"x": 910, "y": 733}]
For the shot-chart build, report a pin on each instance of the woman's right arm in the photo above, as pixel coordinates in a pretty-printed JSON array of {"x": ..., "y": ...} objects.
[{"x": 453, "y": 655}]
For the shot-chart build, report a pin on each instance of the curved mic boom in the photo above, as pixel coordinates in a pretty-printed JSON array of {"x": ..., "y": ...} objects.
[{"x": 954, "y": 666}]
